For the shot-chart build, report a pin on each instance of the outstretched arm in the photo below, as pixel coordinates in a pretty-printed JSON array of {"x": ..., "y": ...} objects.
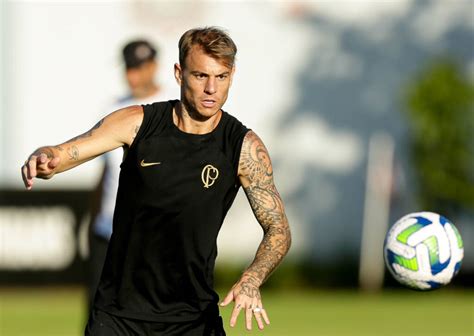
[
  {"x": 256, "y": 176},
  {"x": 115, "y": 130}
]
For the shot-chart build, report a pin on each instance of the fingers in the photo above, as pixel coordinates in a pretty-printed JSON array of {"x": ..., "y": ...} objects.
[
  {"x": 38, "y": 166},
  {"x": 248, "y": 318},
  {"x": 45, "y": 165},
  {"x": 260, "y": 314},
  {"x": 28, "y": 182},
  {"x": 228, "y": 299},
  {"x": 235, "y": 314},
  {"x": 252, "y": 310},
  {"x": 54, "y": 162},
  {"x": 29, "y": 171},
  {"x": 257, "y": 312},
  {"x": 265, "y": 316}
]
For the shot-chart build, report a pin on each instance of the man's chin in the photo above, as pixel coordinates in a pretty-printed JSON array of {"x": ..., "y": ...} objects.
[{"x": 202, "y": 113}]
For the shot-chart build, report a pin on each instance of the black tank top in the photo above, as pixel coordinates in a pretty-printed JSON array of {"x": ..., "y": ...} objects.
[{"x": 175, "y": 189}]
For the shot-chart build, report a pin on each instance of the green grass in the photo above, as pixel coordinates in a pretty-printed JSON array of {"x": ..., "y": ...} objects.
[
  {"x": 350, "y": 313},
  {"x": 42, "y": 312},
  {"x": 446, "y": 312}
]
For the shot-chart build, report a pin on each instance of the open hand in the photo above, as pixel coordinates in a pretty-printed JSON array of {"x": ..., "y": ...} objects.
[{"x": 246, "y": 295}]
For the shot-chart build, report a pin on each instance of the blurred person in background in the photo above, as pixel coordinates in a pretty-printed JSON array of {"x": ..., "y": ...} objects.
[
  {"x": 141, "y": 65},
  {"x": 184, "y": 163}
]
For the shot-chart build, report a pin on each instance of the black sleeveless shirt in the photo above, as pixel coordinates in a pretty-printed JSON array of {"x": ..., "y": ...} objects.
[{"x": 175, "y": 189}]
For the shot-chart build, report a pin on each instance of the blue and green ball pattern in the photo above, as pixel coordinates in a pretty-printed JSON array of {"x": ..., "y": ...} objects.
[{"x": 412, "y": 264}]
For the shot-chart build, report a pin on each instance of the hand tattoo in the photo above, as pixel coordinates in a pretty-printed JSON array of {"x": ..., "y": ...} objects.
[{"x": 249, "y": 287}]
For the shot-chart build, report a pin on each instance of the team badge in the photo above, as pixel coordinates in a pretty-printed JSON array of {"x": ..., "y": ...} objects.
[{"x": 209, "y": 175}]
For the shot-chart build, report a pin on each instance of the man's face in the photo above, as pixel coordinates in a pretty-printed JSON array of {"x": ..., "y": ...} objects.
[
  {"x": 140, "y": 79},
  {"x": 204, "y": 82}
]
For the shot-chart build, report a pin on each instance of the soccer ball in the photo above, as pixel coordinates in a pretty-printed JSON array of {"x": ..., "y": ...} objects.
[{"x": 423, "y": 250}]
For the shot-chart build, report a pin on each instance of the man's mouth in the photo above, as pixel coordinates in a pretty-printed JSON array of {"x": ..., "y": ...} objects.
[{"x": 208, "y": 102}]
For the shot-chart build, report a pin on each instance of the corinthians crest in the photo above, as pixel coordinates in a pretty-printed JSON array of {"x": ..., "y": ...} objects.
[{"x": 209, "y": 175}]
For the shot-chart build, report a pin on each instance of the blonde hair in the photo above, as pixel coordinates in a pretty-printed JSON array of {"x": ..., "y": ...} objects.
[{"x": 214, "y": 42}]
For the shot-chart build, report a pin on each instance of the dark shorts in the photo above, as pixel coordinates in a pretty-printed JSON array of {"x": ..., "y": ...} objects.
[{"x": 104, "y": 324}]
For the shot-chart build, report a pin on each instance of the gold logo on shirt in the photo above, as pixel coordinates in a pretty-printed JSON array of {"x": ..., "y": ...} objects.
[
  {"x": 209, "y": 175},
  {"x": 148, "y": 164}
]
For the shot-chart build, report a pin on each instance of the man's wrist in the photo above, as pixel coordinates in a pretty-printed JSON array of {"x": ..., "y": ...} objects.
[{"x": 251, "y": 278}]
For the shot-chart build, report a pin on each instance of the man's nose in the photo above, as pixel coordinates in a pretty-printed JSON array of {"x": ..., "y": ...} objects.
[{"x": 211, "y": 87}]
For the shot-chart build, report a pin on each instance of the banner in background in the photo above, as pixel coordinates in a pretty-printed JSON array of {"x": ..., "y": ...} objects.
[{"x": 43, "y": 236}]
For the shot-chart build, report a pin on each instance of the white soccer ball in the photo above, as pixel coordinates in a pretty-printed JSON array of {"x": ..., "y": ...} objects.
[{"x": 423, "y": 250}]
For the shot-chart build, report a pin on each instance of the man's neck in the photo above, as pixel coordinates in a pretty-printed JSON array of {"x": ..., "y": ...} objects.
[{"x": 188, "y": 123}]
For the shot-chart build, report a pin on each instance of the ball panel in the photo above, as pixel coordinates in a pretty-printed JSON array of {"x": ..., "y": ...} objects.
[
  {"x": 411, "y": 264},
  {"x": 443, "y": 220},
  {"x": 433, "y": 248},
  {"x": 458, "y": 236},
  {"x": 434, "y": 284},
  {"x": 422, "y": 220},
  {"x": 457, "y": 268},
  {"x": 403, "y": 236}
]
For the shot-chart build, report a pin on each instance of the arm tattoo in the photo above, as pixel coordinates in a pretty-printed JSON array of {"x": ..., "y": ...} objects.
[
  {"x": 73, "y": 153},
  {"x": 89, "y": 132},
  {"x": 135, "y": 132},
  {"x": 267, "y": 206}
]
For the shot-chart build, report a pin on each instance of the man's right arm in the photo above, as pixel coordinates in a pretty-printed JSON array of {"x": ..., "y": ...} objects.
[{"x": 118, "y": 129}]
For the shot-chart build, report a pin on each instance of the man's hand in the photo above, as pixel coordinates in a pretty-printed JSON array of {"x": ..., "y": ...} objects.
[
  {"x": 41, "y": 164},
  {"x": 246, "y": 295}
]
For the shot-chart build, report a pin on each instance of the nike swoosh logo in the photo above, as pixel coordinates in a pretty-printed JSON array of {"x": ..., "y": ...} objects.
[{"x": 148, "y": 164}]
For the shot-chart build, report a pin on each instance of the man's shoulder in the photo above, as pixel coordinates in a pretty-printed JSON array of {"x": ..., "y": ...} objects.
[
  {"x": 156, "y": 116},
  {"x": 158, "y": 107},
  {"x": 233, "y": 123}
]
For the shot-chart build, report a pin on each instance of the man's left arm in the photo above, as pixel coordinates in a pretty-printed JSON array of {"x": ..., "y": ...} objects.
[{"x": 256, "y": 177}]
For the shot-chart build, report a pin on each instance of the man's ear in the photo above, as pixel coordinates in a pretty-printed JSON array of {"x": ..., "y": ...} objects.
[{"x": 178, "y": 73}]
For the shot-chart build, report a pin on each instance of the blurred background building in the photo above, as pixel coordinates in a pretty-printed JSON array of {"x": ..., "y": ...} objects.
[{"x": 319, "y": 81}]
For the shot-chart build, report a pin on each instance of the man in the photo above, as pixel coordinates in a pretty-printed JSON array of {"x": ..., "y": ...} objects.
[
  {"x": 184, "y": 162},
  {"x": 140, "y": 62}
]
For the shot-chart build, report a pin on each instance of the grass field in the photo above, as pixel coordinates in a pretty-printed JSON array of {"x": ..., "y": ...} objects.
[{"x": 60, "y": 312}]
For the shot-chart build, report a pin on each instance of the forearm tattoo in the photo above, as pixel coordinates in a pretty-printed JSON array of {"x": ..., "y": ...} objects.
[
  {"x": 89, "y": 132},
  {"x": 267, "y": 206},
  {"x": 73, "y": 153}
]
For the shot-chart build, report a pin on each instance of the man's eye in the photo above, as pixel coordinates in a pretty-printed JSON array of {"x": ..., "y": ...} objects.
[
  {"x": 200, "y": 76},
  {"x": 222, "y": 77}
]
